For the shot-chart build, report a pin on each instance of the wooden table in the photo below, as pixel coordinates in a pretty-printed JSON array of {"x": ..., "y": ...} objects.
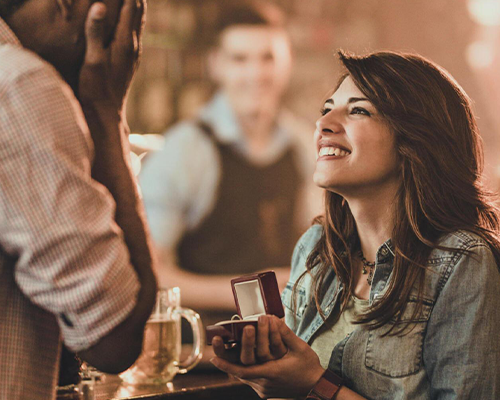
[{"x": 195, "y": 385}]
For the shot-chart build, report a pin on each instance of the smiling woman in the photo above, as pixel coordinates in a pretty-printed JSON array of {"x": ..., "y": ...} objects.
[
  {"x": 389, "y": 287},
  {"x": 355, "y": 145}
]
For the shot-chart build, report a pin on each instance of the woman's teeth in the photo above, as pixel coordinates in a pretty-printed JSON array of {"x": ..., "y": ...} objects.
[{"x": 332, "y": 151}]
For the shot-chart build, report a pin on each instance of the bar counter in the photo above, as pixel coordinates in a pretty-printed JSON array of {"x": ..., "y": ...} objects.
[{"x": 195, "y": 385}]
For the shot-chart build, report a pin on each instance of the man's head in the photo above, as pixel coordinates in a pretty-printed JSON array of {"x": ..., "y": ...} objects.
[
  {"x": 55, "y": 29},
  {"x": 251, "y": 58},
  {"x": 7, "y": 7}
]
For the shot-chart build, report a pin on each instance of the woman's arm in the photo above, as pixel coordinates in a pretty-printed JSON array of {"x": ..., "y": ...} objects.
[{"x": 462, "y": 346}]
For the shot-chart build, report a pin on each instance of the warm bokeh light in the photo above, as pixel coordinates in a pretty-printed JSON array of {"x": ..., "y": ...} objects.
[
  {"x": 480, "y": 55},
  {"x": 485, "y": 12},
  {"x": 463, "y": 36}
]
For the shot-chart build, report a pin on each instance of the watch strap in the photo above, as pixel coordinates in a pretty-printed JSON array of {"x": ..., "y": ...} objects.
[{"x": 327, "y": 387}]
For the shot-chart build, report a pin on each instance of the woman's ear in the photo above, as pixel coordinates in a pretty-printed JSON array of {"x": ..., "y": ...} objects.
[{"x": 65, "y": 8}]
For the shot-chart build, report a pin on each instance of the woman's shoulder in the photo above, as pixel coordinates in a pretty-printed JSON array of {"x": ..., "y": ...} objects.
[
  {"x": 461, "y": 247},
  {"x": 458, "y": 243},
  {"x": 310, "y": 237},
  {"x": 304, "y": 247},
  {"x": 462, "y": 240}
]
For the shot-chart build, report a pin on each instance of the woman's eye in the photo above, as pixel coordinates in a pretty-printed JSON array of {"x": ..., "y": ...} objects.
[
  {"x": 324, "y": 111},
  {"x": 360, "y": 110}
]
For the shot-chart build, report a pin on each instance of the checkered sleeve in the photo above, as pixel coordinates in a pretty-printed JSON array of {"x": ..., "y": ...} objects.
[{"x": 55, "y": 220}]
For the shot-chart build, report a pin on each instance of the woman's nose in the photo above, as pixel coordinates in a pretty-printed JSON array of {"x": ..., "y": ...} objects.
[{"x": 328, "y": 124}]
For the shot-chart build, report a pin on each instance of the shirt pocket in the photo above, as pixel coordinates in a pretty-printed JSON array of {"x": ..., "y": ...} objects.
[
  {"x": 400, "y": 355},
  {"x": 294, "y": 311}
]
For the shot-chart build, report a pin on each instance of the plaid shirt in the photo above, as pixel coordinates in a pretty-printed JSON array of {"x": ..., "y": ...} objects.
[{"x": 64, "y": 266}]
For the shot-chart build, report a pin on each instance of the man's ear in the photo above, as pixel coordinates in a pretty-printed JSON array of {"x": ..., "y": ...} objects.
[{"x": 65, "y": 8}]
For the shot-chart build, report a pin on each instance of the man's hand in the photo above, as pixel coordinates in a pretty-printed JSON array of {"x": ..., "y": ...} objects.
[
  {"x": 292, "y": 375},
  {"x": 104, "y": 80},
  {"x": 108, "y": 68}
]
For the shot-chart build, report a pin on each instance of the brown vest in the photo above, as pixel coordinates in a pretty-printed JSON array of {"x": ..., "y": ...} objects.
[{"x": 252, "y": 224}]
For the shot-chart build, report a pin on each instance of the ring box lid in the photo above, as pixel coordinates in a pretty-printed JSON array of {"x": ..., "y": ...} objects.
[{"x": 257, "y": 294}]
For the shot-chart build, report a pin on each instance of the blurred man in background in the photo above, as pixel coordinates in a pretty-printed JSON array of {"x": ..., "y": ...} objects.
[
  {"x": 226, "y": 196},
  {"x": 75, "y": 259}
]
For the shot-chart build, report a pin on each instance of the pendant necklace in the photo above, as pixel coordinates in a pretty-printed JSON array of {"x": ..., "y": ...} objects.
[{"x": 368, "y": 268}]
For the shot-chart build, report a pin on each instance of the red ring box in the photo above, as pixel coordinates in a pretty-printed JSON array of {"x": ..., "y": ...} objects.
[{"x": 254, "y": 295}]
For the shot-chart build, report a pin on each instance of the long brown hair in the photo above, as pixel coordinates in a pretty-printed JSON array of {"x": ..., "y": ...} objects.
[{"x": 440, "y": 191}]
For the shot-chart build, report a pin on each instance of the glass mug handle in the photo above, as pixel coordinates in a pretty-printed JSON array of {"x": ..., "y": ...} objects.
[{"x": 198, "y": 339}]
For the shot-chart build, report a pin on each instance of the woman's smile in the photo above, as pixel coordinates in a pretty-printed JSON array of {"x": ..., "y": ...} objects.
[{"x": 328, "y": 150}]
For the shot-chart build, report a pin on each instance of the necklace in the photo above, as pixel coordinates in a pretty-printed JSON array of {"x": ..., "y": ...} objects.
[{"x": 367, "y": 266}]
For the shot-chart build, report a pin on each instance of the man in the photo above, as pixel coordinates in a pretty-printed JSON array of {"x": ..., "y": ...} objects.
[
  {"x": 74, "y": 254},
  {"x": 228, "y": 184}
]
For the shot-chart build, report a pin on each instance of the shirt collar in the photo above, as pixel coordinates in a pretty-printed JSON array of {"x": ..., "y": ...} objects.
[
  {"x": 6, "y": 34},
  {"x": 219, "y": 114},
  {"x": 385, "y": 252}
]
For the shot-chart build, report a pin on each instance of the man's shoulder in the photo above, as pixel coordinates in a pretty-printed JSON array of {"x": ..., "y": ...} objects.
[
  {"x": 26, "y": 77},
  {"x": 186, "y": 145},
  {"x": 17, "y": 62},
  {"x": 37, "y": 105},
  {"x": 187, "y": 135}
]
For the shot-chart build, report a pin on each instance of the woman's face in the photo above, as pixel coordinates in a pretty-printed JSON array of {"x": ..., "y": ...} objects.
[{"x": 356, "y": 152}]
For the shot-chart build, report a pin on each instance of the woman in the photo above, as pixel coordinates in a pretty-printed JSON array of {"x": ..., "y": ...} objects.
[{"x": 396, "y": 287}]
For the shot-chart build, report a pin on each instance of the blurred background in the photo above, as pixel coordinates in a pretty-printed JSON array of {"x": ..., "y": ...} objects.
[{"x": 460, "y": 35}]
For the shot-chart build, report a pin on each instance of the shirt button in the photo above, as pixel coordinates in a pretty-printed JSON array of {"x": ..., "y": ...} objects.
[{"x": 384, "y": 251}]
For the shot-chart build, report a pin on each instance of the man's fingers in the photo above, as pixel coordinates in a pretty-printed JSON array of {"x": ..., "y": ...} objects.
[
  {"x": 140, "y": 17},
  {"x": 130, "y": 11},
  {"x": 247, "y": 356},
  {"x": 95, "y": 33},
  {"x": 278, "y": 348}
]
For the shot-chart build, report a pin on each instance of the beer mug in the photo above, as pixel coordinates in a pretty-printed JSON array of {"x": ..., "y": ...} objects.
[{"x": 159, "y": 361}]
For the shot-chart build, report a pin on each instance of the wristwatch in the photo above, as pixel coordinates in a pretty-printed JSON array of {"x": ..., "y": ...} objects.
[{"x": 327, "y": 387}]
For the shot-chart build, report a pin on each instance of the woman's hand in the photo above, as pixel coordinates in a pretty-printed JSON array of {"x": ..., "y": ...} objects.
[
  {"x": 267, "y": 345},
  {"x": 108, "y": 68},
  {"x": 291, "y": 375}
]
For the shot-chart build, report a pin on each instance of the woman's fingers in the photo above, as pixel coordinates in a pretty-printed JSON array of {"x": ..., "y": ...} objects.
[
  {"x": 247, "y": 356},
  {"x": 231, "y": 354},
  {"x": 241, "y": 371},
  {"x": 263, "y": 350},
  {"x": 218, "y": 346},
  {"x": 277, "y": 347},
  {"x": 290, "y": 339}
]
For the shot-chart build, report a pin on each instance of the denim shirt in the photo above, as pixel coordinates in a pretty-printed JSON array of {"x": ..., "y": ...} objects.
[{"x": 453, "y": 352}]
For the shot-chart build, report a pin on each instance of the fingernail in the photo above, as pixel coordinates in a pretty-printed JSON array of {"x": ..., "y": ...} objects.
[
  {"x": 249, "y": 330},
  {"x": 213, "y": 360},
  {"x": 98, "y": 11}
]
